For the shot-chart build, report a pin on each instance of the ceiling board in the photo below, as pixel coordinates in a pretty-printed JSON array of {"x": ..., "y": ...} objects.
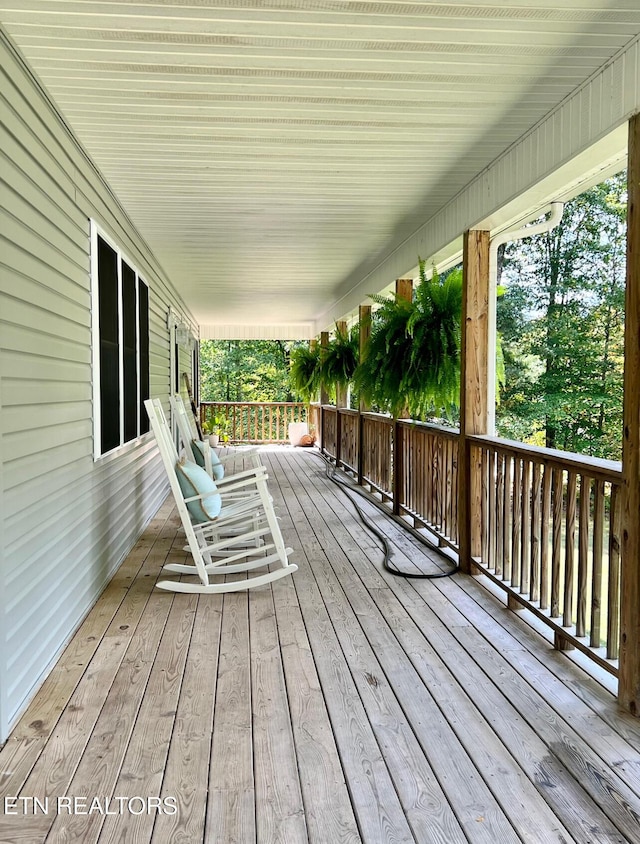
[{"x": 269, "y": 151}]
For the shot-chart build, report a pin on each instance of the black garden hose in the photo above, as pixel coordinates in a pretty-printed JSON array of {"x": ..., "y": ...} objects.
[{"x": 330, "y": 469}]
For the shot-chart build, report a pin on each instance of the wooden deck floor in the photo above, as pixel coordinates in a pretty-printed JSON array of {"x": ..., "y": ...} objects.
[{"x": 340, "y": 705}]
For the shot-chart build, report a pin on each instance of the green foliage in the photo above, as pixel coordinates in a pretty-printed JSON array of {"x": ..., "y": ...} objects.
[
  {"x": 217, "y": 424},
  {"x": 245, "y": 370},
  {"x": 340, "y": 359},
  {"x": 413, "y": 361},
  {"x": 313, "y": 368},
  {"x": 304, "y": 372},
  {"x": 562, "y": 321}
]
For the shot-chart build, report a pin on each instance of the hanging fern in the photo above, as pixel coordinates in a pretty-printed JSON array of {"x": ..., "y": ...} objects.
[
  {"x": 304, "y": 371},
  {"x": 340, "y": 360},
  {"x": 413, "y": 361}
]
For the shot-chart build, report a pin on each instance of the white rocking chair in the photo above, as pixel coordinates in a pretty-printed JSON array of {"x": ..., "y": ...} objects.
[
  {"x": 199, "y": 450},
  {"x": 204, "y": 534}
]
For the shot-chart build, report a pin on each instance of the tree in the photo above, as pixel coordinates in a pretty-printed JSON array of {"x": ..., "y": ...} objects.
[
  {"x": 245, "y": 370},
  {"x": 562, "y": 321}
]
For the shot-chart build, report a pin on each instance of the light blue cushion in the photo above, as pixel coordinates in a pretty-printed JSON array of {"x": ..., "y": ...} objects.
[
  {"x": 194, "y": 480},
  {"x": 198, "y": 448}
]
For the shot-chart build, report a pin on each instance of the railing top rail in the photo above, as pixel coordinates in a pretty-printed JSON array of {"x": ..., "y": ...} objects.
[
  {"x": 256, "y": 403},
  {"x": 594, "y": 467},
  {"x": 378, "y": 417},
  {"x": 347, "y": 411},
  {"x": 444, "y": 430}
]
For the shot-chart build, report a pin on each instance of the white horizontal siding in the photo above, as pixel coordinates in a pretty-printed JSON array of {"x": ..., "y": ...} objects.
[
  {"x": 608, "y": 99},
  {"x": 67, "y": 521}
]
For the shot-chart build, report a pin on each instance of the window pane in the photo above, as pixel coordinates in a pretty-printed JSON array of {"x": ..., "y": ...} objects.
[
  {"x": 109, "y": 347},
  {"x": 143, "y": 326},
  {"x": 130, "y": 352}
]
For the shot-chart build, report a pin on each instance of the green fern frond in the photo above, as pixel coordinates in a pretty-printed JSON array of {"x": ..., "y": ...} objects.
[{"x": 304, "y": 372}]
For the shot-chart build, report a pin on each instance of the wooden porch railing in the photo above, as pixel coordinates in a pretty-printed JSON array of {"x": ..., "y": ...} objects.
[
  {"x": 429, "y": 485},
  {"x": 377, "y": 454},
  {"x": 547, "y": 530},
  {"x": 255, "y": 422}
]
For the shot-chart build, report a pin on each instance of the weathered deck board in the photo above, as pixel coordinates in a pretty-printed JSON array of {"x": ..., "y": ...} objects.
[
  {"x": 275, "y": 762},
  {"x": 427, "y": 711},
  {"x": 230, "y": 809},
  {"x": 341, "y": 705},
  {"x": 572, "y": 803}
]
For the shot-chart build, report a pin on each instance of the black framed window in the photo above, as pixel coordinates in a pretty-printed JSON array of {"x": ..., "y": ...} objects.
[{"x": 120, "y": 347}]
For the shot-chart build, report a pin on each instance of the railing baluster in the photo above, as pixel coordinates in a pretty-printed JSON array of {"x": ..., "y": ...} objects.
[
  {"x": 570, "y": 538},
  {"x": 491, "y": 500},
  {"x": 429, "y": 480},
  {"x": 596, "y": 575},
  {"x": 454, "y": 492},
  {"x": 508, "y": 509},
  {"x": 449, "y": 473},
  {"x": 525, "y": 558},
  {"x": 544, "y": 538},
  {"x": 558, "y": 493},
  {"x": 534, "y": 591},
  {"x": 516, "y": 533},
  {"x": 583, "y": 554},
  {"x": 410, "y": 458},
  {"x": 499, "y": 510},
  {"x": 483, "y": 539},
  {"x": 613, "y": 614},
  {"x": 437, "y": 478}
]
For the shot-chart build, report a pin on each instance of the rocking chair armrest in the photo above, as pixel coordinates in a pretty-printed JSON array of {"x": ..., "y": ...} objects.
[
  {"x": 241, "y": 484},
  {"x": 255, "y": 472},
  {"x": 241, "y": 452},
  {"x": 232, "y": 496}
]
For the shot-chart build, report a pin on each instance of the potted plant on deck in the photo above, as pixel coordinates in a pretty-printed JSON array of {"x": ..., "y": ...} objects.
[{"x": 215, "y": 429}]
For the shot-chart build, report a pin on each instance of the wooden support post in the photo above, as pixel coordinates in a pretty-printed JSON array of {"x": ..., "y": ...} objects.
[
  {"x": 312, "y": 347},
  {"x": 324, "y": 345},
  {"x": 338, "y": 438},
  {"x": 341, "y": 401},
  {"x": 398, "y": 467},
  {"x": 404, "y": 290},
  {"x": 629, "y": 670},
  {"x": 364, "y": 321},
  {"x": 474, "y": 364},
  {"x": 341, "y": 392}
]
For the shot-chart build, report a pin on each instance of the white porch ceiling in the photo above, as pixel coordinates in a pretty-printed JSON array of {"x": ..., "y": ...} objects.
[{"x": 274, "y": 152}]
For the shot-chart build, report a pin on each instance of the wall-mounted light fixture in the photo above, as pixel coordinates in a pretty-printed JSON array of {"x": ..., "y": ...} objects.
[{"x": 183, "y": 335}]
